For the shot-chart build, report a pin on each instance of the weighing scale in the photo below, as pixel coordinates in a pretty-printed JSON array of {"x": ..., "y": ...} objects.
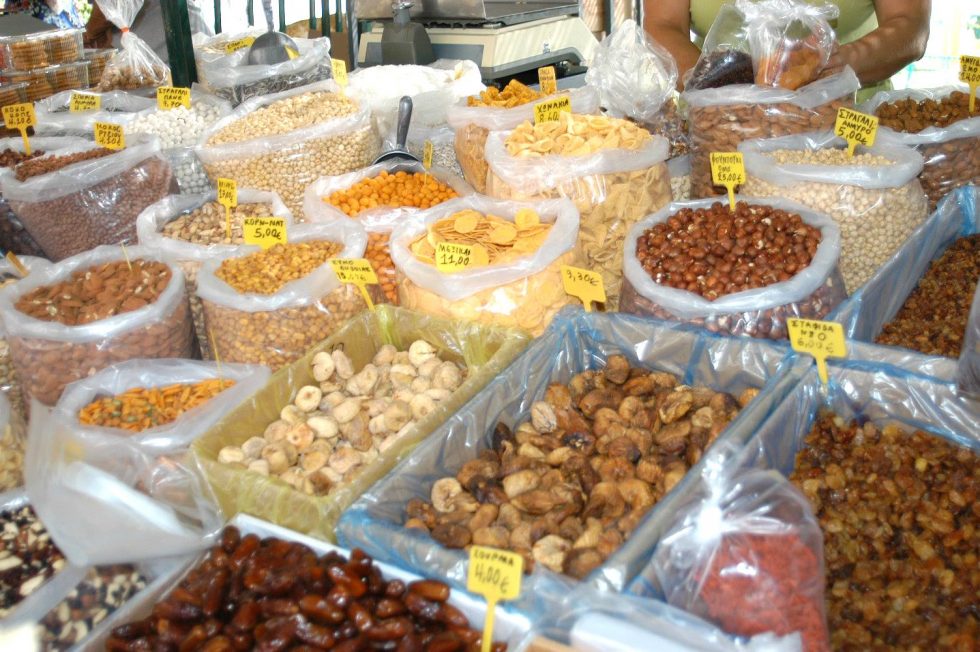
[{"x": 504, "y": 38}]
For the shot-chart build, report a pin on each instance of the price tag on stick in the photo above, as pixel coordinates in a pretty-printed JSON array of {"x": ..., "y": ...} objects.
[
  {"x": 550, "y": 110},
  {"x": 81, "y": 102},
  {"x": 19, "y": 266},
  {"x": 728, "y": 169},
  {"x": 170, "y": 97},
  {"x": 264, "y": 231},
  {"x": 357, "y": 271},
  {"x": 496, "y": 575},
  {"x": 584, "y": 284},
  {"x": 452, "y": 257},
  {"x": 239, "y": 44},
  {"x": 228, "y": 197},
  {"x": 856, "y": 128},
  {"x": 821, "y": 339},
  {"x": 547, "y": 80},
  {"x": 109, "y": 135},
  {"x": 427, "y": 160},
  {"x": 970, "y": 73},
  {"x": 339, "y": 69},
  {"x": 20, "y": 117}
]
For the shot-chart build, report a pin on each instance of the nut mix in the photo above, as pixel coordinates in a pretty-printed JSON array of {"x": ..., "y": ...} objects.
[
  {"x": 874, "y": 222},
  {"x": 140, "y": 408},
  {"x": 949, "y": 164},
  {"x": 567, "y": 488},
  {"x": 934, "y": 317},
  {"x": 13, "y": 437},
  {"x": 269, "y": 593},
  {"x": 899, "y": 517},
  {"x": 330, "y": 432},
  {"x": 712, "y": 253},
  {"x": 291, "y": 167},
  {"x": 28, "y": 558}
]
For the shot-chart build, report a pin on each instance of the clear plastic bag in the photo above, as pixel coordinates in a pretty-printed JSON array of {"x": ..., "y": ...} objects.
[
  {"x": 277, "y": 329},
  {"x": 721, "y": 118},
  {"x": 574, "y": 342},
  {"x": 726, "y": 56},
  {"x": 48, "y": 356},
  {"x": 13, "y": 438},
  {"x": 443, "y": 140},
  {"x": 287, "y": 163},
  {"x": 378, "y": 222},
  {"x": 474, "y": 123},
  {"x": 762, "y": 312},
  {"x": 55, "y": 118},
  {"x": 525, "y": 292},
  {"x": 180, "y": 127},
  {"x": 139, "y": 489},
  {"x": 968, "y": 370},
  {"x": 746, "y": 553},
  {"x": 229, "y": 76},
  {"x": 135, "y": 65},
  {"x": 612, "y": 189},
  {"x": 877, "y": 204},
  {"x": 190, "y": 256},
  {"x": 9, "y": 383},
  {"x": 97, "y": 201},
  {"x": 188, "y": 170},
  {"x": 679, "y": 170},
  {"x": 951, "y": 153},
  {"x": 791, "y": 41},
  {"x": 633, "y": 74}
]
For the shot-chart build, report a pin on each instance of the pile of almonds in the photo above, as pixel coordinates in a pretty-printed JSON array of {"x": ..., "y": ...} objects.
[{"x": 566, "y": 489}]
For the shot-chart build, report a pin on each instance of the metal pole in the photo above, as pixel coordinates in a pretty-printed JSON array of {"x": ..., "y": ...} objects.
[
  {"x": 282, "y": 15},
  {"x": 250, "y": 13},
  {"x": 217, "y": 16},
  {"x": 180, "y": 49},
  {"x": 312, "y": 15},
  {"x": 325, "y": 20}
]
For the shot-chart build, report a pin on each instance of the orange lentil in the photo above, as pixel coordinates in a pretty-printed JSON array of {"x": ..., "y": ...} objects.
[
  {"x": 398, "y": 190},
  {"x": 140, "y": 408}
]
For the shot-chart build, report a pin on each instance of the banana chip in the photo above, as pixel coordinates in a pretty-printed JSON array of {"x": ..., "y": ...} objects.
[
  {"x": 575, "y": 135},
  {"x": 494, "y": 239}
]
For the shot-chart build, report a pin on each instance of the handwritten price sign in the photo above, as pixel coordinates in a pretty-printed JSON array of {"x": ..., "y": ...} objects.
[
  {"x": 547, "y": 80},
  {"x": 20, "y": 117},
  {"x": 81, "y": 102},
  {"x": 109, "y": 135},
  {"x": 264, "y": 231},
  {"x": 357, "y": 271},
  {"x": 496, "y": 575},
  {"x": 728, "y": 169},
  {"x": 170, "y": 97},
  {"x": 821, "y": 339},
  {"x": 856, "y": 128},
  {"x": 970, "y": 74},
  {"x": 584, "y": 284},
  {"x": 452, "y": 257},
  {"x": 550, "y": 110}
]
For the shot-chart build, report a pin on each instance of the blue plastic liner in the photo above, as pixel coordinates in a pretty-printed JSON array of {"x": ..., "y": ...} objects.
[
  {"x": 866, "y": 312},
  {"x": 857, "y": 390},
  {"x": 575, "y": 342}
]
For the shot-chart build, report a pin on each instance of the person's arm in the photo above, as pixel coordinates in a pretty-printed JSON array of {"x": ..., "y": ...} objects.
[
  {"x": 903, "y": 30},
  {"x": 669, "y": 23}
]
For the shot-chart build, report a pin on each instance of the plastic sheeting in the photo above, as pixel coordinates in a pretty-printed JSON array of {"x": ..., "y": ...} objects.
[
  {"x": 486, "y": 351},
  {"x": 575, "y": 342},
  {"x": 968, "y": 369}
]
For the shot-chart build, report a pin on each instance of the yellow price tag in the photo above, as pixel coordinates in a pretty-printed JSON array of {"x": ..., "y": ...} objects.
[
  {"x": 292, "y": 54},
  {"x": 264, "y": 231},
  {"x": 549, "y": 110},
  {"x": 19, "y": 266},
  {"x": 547, "y": 80},
  {"x": 856, "y": 128},
  {"x": 239, "y": 44},
  {"x": 728, "y": 169},
  {"x": 452, "y": 257},
  {"x": 357, "y": 271},
  {"x": 821, "y": 339},
  {"x": 427, "y": 155},
  {"x": 80, "y": 102},
  {"x": 20, "y": 117},
  {"x": 109, "y": 135},
  {"x": 584, "y": 284},
  {"x": 170, "y": 97},
  {"x": 970, "y": 73},
  {"x": 227, "y": 197},
  {"x": 496, "y": 575},
  {"x": 339, "y": 69}
]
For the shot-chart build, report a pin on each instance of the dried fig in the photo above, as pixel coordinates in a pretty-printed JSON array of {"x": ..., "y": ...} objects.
[
  {"x": 536, "y": 502},
  {"x": 494, "y": 537},
  {"x": 599, "y": 398},
  {"x": 617, "y": 369},
  {"x": 550, "y": 552},
  {"x": 477, "y": 467},
  {"x": 452, "y": 536},
  {"x": 676, "y": 406},
  {"x": 518, "y": 483},
  {"x": 605, "y": 503},
  {"x": 579, "y": 562}
]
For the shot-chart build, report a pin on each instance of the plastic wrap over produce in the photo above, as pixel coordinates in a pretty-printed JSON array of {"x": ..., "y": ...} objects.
[
  {"x": 679, "y": 170},
  {"x": 138, "y": 489},
  {"x": 524, "y": 292},
  {"x": 721, "y": 118},
  {"x": 97, "y": 200},
  {"x": 874, "y": 197},
  {"x": 950, "y": 147},
  {"x": 485, "y": 351},
  {"x": 227, "y": 75},
  {"x": 49, "y": 355},
  {"x": 203, "y": 237},
  {"x": 13, "y": 441},
  {"x": 575, "y": 342},
  {"x": 55, "y": 117},
  {"x": 812, "y": 292},
  {"x": 10, "y": 384},
  {"x": 867, "y": 311},
  {"x": 968, "y": 372}
]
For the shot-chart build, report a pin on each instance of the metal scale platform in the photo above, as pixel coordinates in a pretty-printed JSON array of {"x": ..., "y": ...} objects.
[{"x": 504, "y": 38}]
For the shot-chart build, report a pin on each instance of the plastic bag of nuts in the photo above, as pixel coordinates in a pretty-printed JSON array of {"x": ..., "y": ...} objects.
[
  {"x": 741, "y": 273},
  {"x": 721, "y": 118},
  {"x": 614, "y": 182},
  {"x": 679, "y": 169},
  {"x": 443, "y": 140},
  {"x": 131, "y": 305},
  {"x": 874, "y": 196},
  {"x": 138, "y": 486},
  {"x": 938, "y": 123},
  {"x": 135, "y": 65},
  {"x": 13, "y": 441},
  {"x": 523, "y": 289},
  {"x": 188, "y": 230},
  {"x": 286, "y": 141},
  {"x": 474, "y": 123},
  {"x": 301, "y": 301},
  {"x": 55, "y": 118},
  {"x": 97, "y": 200},
  {"x": 9, "y": 384},
  {"x": 379, "y": 221},
  {"x": 381, "y": 336}
]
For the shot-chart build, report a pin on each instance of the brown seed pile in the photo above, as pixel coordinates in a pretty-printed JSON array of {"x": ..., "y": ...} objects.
[
  {"x": 912, "y": 116},
  {"x": 38, "y": 166},
  {"x": 901, "y": 526},
  {"x": 933, "y": 318}
]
